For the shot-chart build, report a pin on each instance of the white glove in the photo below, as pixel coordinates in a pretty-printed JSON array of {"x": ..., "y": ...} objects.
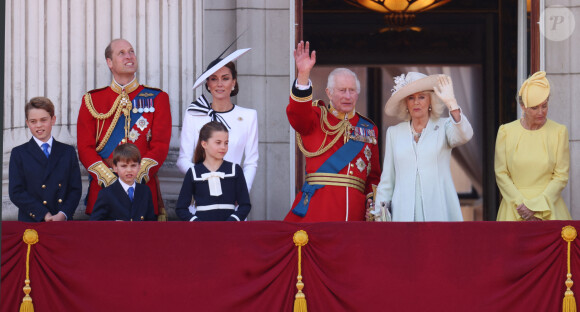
[{"x": 444, "y": 91}]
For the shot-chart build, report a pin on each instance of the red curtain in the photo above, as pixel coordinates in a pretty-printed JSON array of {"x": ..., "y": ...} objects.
[{"x": 252, "y": 266}]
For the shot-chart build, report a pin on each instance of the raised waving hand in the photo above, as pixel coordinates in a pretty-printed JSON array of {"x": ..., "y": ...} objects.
[{"x": 304, "y": 61}]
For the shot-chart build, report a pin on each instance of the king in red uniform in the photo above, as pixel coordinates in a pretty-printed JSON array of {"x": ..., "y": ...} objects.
[
  {"x": 340, "y": 145},
  {"x": 123, "y": 112}
]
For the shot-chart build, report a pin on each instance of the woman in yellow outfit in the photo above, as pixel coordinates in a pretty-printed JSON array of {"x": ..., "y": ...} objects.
[{"x": 532, "y": 159}]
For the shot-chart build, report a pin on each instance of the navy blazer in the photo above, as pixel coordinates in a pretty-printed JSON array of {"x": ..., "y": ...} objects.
[
  {"x": 113, "y": 203},
  {"x": 38, "y": 185}
]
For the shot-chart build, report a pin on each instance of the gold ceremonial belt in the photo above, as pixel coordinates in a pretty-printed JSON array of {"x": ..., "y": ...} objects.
[{"x": 336, "y": 179}]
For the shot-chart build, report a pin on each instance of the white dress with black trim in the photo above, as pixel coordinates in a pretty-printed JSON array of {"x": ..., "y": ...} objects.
[
  {"x": 242, "y": 124},
  {"x": 215, "y": 193}
]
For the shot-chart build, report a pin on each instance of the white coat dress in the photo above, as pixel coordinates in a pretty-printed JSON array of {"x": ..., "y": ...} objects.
[{"x": 430, "y": 163}]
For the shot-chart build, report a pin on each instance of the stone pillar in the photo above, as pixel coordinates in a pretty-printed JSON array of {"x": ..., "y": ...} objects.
[
  {"x": 563, "y": 69},
  {"x": 55, "y": 48},
  {"x": 264, "y": 78}
]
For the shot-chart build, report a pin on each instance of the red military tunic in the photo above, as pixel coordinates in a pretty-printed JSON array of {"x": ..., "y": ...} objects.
[
  {"x": 332, "y": 202},
  {"x": 151, "y": 133}
]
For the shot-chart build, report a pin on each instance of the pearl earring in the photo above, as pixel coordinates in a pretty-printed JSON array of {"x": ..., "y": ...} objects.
[{"x": 429, "y": 108}]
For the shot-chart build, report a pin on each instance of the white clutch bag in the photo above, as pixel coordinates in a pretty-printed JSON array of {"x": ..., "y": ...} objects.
[{"x": 384, "y": 213}]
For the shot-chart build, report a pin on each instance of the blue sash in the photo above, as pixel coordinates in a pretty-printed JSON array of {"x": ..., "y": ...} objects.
[
  {"x": 344, "y": 155},
  {"x": 145, "y": 98}
]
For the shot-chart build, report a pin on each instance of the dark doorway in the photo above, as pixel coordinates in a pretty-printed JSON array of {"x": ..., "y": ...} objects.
[{"x": 481, "y": 33}]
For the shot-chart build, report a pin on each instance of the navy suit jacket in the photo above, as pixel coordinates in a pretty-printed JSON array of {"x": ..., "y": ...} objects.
[
  {"x": 113, "y": 203},
  {"x": 38, "y": 185}
]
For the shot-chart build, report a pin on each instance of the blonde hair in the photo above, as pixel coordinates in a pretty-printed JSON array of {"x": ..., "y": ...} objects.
[{"x": 437, "y": 107}]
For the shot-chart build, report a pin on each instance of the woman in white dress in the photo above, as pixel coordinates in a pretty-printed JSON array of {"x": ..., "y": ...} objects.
[
  {"x": 416, "y": 179},
  {"x": 241, "y": 122}
]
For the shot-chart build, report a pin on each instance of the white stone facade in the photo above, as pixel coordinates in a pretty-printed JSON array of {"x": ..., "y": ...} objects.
[
  {"x": 55, "y": 48},
  {"x": 562, "y": 65}
]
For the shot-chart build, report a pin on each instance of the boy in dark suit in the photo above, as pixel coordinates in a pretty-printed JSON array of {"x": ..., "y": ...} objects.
[
  {"x": 125, "y": 200},
  {"x": 44, "y": 175}
]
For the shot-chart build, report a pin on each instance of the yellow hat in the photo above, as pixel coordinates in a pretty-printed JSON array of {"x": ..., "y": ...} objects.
[{"x": 535, "y": 90}]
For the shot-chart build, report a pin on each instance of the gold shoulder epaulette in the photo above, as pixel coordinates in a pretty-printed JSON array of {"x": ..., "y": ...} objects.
[
  {"x": 366, "y": 118},
  {"x": 98, "y": 89},
  {"x": 150, "y": 87}
]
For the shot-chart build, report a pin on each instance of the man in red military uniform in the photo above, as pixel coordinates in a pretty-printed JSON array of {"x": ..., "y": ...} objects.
[
  {"x": 123, "y": 112},
  {"x": 340, "y": 145}
]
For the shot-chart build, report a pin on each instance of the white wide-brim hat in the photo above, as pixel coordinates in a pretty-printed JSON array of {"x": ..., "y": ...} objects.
[
  {"x": 406, "y": 85},
  {"x": 230, "y": 58}
]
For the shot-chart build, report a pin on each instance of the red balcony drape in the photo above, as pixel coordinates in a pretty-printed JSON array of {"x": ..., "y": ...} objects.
[{"x": 252, "y": 266}]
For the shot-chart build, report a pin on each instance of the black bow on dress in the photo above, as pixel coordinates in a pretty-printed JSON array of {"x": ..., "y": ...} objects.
[{"x": 201, "y": 105}]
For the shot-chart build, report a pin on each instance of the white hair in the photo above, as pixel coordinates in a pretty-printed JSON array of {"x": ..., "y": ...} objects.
[
  {"x": 341, "y": 71},
  {"x": 437, "y": 107}
]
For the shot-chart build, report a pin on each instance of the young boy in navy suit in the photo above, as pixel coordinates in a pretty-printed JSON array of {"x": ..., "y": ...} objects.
[
  {"x": 44, "y": 175},
  {"x": 125, "y": 200}
]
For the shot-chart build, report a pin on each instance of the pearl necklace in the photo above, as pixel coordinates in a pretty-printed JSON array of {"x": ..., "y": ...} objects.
[{"x": 416, "y": 135}]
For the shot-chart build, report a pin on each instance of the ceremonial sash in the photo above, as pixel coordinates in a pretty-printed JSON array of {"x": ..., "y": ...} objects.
[
  {"x": 142, "y": 103},
  {"x": 342, "y": 157}
]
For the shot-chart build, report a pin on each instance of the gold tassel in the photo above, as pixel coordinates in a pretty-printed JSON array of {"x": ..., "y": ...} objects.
[
  {"x": 300, "y": 239},
  {"x": 30, "y": 237},
  {"x": 569, "y": 305}
]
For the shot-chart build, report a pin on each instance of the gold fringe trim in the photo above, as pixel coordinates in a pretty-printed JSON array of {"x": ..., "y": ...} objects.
[
  {"x": 122, "y": 105},
  {"x": 569, "y": 304},
  {"x": 30, "y": 237},
  {"x": 300, "y": 239},
  {"x": 341, "y": 129}
]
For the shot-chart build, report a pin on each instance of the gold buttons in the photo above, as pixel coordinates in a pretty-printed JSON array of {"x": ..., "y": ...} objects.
[
  {"x": 31, "y": 215},
  {"x": 43, "y": 186},
  {"x": 352, "y": 165},
  {"x": 142, "y": 218},
  {"x": 350, "y": 172},
  {"x": 60, "y": 201},
  {"x": 44, "y": 202},
  {"x": 59, "y": 185},
  {"x": 123, "y": 141}
]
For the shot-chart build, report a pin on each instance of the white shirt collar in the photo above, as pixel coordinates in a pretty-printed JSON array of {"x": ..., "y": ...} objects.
[
  {"x": 39, "y": 142},
  {"x": 126, "y": 186},
  {"x": 123, "y": 86}
]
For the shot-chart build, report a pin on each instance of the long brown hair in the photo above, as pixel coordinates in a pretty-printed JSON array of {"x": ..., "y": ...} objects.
[{"x": 204, "y": 134}]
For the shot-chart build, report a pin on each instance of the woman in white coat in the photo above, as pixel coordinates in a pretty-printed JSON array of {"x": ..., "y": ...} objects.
[
  {"x": 221, "y": 81},
  {"x": 416, "y": 181}
]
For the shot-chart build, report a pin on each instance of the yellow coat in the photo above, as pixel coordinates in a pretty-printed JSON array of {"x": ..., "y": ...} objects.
[{"x": 531, "y": 167}]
